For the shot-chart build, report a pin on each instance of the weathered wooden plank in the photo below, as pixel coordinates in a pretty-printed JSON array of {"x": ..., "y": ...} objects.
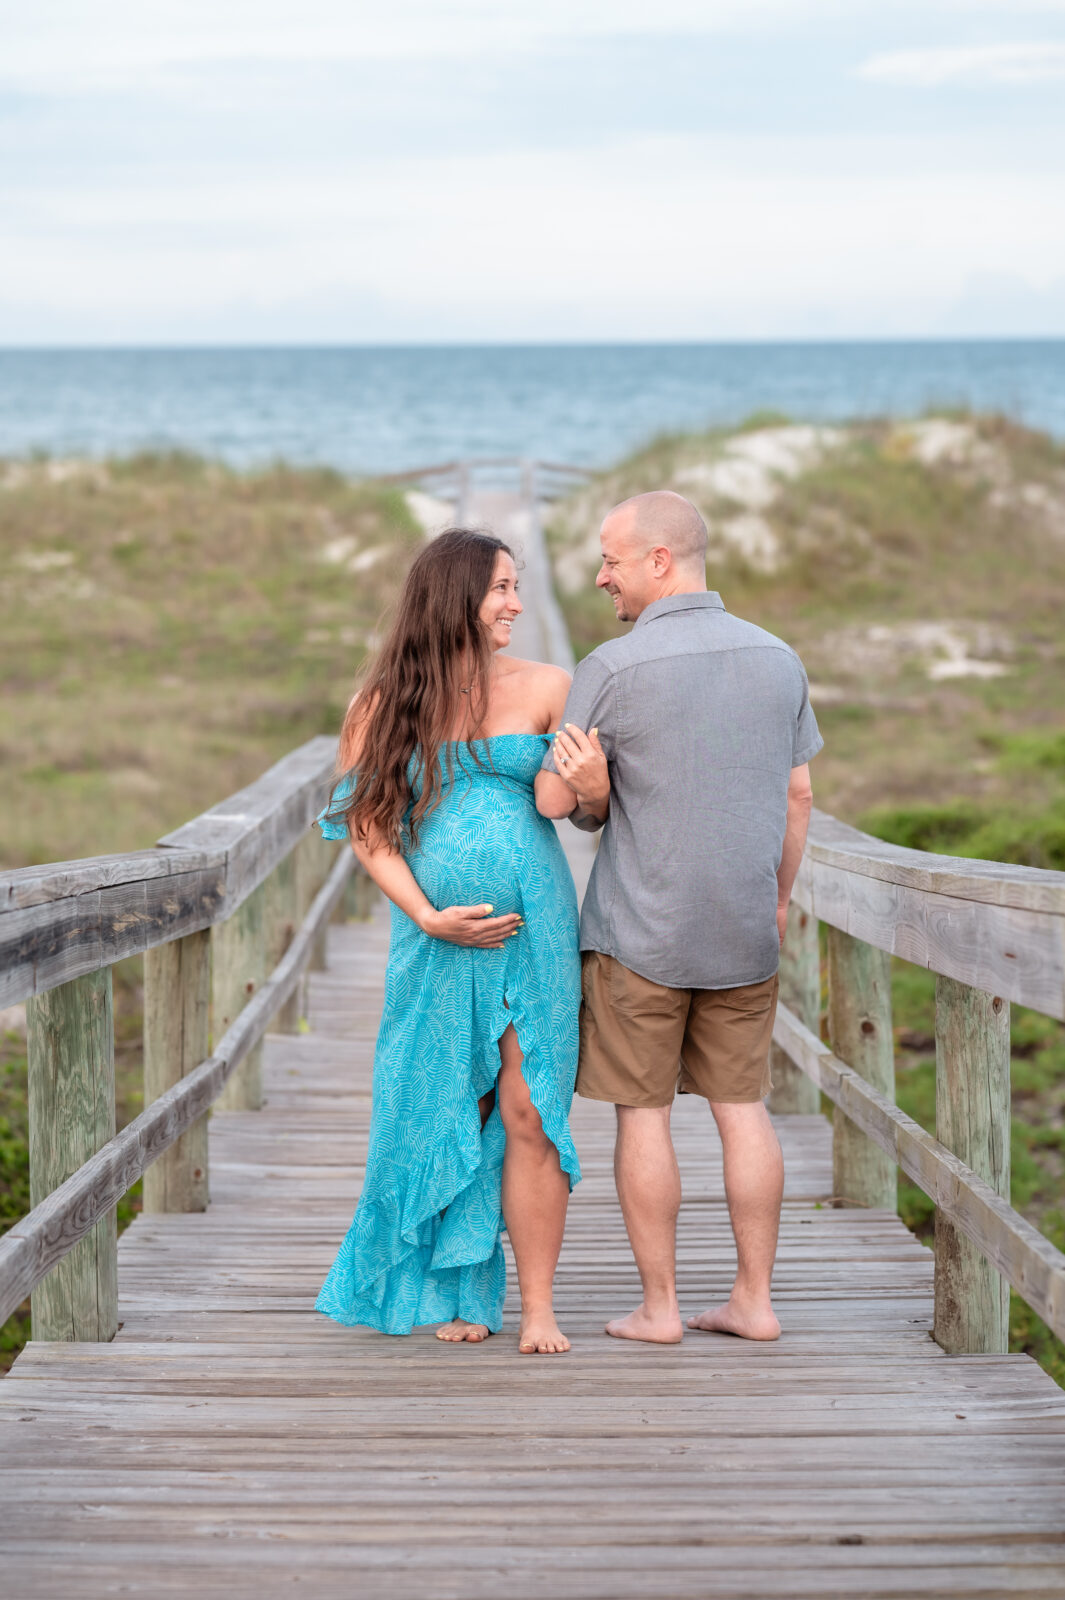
[
  {"x": 973, "y": 1121},
  {"x": 177, "y": 980},
  {"x": 71, "y": 1049},
  {"x": 257, "y": 827},
  {"x": 800, "y": 990},
  {"x": 60, "y": 922},
  {"x": 282, "y": 915},
  {"x": 832, "y": 843},
  {"x": 62, "y": 880},
  {"x": 239, "y": 966},
  {"x": 1020, "y": 1252},
  {"x": 1015, "y": 952},
  {"x": 859, "y": 1027},
  {"x": 32, "y": 1247},
  {"x": 55, "y": 941}
]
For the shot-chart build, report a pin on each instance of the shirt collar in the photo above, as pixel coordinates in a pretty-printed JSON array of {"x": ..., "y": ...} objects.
[{"x": 704, "y": 600}]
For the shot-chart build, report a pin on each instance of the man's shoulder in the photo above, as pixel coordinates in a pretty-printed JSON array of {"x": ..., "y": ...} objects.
[
  {"x": 610, "y": 656},
  {"x": 744, "y": 635},
  {"x": 723, "y": 632}
]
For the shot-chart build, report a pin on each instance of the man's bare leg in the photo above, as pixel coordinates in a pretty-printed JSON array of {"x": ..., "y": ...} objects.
[
  {"x": 648, "y": 1181},
  {"x": 535, "y": 1197},
  {"x": 754, "y": 1187}
]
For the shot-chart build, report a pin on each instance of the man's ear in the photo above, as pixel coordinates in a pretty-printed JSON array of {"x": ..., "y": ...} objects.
[{"x": 662, "y": 558}]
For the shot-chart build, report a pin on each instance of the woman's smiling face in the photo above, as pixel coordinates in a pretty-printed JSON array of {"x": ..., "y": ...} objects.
[{"x": 501, "y": 604}]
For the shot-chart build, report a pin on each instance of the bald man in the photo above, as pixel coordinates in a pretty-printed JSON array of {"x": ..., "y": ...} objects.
[{"x": 689, "y": 738}]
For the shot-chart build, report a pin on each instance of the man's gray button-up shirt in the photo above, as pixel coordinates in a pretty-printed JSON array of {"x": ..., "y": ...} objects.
[{"x": 702, "y": 717}]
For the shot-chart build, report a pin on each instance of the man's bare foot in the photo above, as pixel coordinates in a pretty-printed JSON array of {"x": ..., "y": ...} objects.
[
  {"x": 462, "y": 1332},
  {"x": 665, "y": 1328},
  {"x": 746, "y": 1322},
  {"x": 540, "y": 1335}
]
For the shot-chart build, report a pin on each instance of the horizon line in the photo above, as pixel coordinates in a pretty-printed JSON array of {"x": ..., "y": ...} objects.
[{"x": 805, "y": 341}]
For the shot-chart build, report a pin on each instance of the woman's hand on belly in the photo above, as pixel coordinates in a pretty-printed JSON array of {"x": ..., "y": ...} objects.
[{"x": 469, "y": 925}]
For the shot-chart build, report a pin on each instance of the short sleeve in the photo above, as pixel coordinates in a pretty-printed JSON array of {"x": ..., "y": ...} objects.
[
  {"x": 589, "y": 704},
  {"x": 333, "y": 821},
  {"x": 808, "y": 740}
]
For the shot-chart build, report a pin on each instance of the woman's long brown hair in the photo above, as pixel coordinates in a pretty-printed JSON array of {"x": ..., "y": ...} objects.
[{"x": 436, "y": 651}]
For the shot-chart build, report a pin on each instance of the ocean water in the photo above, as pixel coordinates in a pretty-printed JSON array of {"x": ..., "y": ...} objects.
[{"x": 372, "y": 409}]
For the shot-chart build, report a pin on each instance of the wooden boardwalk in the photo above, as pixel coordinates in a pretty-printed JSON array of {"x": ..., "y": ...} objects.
[{"x": 233, "y": 1442}]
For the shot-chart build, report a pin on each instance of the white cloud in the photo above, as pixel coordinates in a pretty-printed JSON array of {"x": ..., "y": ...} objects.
[
  {"x": 58, "y": 44},
  {"x": 1029, "y": 62},
  {"x": 650, "y": 239}
]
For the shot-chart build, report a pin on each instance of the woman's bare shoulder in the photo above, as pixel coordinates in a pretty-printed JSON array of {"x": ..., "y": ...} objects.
[{"x": 539, "y": 673}]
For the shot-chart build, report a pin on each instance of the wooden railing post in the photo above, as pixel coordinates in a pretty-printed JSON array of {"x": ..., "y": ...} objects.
[
  {"x": 320, "y": 854},
  {"x": 238, "y": 971},
  {"x": 283, "y": 918},
  {"x": 71, "y": 1050},
  {"x": 800, "y": 991},
  {"x": 176, "y": 996},
  {"x": 972, "y": 1300},
  {"x": 859, "y": 1026},
  {"x": 360, "y": 896}
]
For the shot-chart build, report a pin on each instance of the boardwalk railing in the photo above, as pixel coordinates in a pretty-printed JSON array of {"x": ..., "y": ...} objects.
[
  {"x": 228, "y": 912},
  {"x": 230, "y": 909},
  {"x": 536, "y": 481},
  {"x": 992, "y": 934}
]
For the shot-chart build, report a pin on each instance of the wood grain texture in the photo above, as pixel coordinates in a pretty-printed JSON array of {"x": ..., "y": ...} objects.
[
  {"x": 1017, "y": 952},
  {"x": 284, "y": 894},
  {"x": 1034, "y": 1267},
  {"x": 800, "y": 991},
  {"x": 859, "y": 1028},
  {"x": 32, "y": 1247},
  {"x": 973, "y": 1120},
  {"x": 177, "y": 980},
  {"x": 232, "y": 1442},
  {"x": 71, "y": 1055},
  {"x": 239, "y": 966},
  {"x": 59, "y": 922}
]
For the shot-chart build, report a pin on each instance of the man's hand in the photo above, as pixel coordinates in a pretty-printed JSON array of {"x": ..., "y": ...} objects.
[
  {"x": 782, "y": 922},
  {"x": 580, "y": 761},
  {"x": 470, "y": 925}
]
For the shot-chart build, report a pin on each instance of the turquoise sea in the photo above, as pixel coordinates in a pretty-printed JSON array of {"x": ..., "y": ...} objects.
[{"x": 379, "y": 409}]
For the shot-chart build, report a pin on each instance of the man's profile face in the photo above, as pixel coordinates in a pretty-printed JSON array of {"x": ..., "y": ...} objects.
[{"x": 627, "y": 572}]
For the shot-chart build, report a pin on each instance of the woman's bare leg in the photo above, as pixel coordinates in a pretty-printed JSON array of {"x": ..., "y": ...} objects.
[{"x": 535, "y": 1197}]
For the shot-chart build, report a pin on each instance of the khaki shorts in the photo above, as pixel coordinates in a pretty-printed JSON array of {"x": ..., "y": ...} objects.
[{"x": 641, "y": 1042}]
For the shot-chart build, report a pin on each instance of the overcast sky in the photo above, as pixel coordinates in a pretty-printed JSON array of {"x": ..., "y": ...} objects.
[{"x": 197, "y": 171}]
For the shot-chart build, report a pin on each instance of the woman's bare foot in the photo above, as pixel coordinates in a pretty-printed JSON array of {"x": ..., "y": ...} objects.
[
  {"x": 745, "y": 1321},
  {"x": 661, "y": 1328},
  {"x": 540, "y": 1335},
  {"x": 462, "y": 1332}
]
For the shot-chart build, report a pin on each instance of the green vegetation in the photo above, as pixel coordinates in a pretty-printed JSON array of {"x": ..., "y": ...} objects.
[
  {"x": 919, "y": 570},
  {"x": 171, "y": 628}
]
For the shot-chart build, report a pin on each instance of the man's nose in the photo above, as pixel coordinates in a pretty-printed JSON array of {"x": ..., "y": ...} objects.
[{"x": 602, "y": 578}]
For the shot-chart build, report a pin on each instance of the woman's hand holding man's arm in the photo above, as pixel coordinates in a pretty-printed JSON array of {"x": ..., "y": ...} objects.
[{"x": 581, "y": 763}]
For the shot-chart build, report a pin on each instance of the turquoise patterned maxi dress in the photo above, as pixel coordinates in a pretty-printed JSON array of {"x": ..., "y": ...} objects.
[{"x": 425, "y": 1242}]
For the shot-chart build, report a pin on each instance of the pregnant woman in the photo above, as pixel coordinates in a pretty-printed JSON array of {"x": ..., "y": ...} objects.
[{"x": 477, "y": 1050}]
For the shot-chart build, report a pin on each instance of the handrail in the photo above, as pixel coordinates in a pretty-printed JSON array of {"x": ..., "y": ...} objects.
[
  {"x": 70, "y": 918},
  {"x": 33, "y": 1246},
  {"x": 1034, "y": 1266},
  {"x": 439, "y": 469},
  {"x": 998, "y": 927}
]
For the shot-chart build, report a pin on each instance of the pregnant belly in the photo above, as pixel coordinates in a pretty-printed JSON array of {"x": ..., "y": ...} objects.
[{"x": 478, "y": 860}]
